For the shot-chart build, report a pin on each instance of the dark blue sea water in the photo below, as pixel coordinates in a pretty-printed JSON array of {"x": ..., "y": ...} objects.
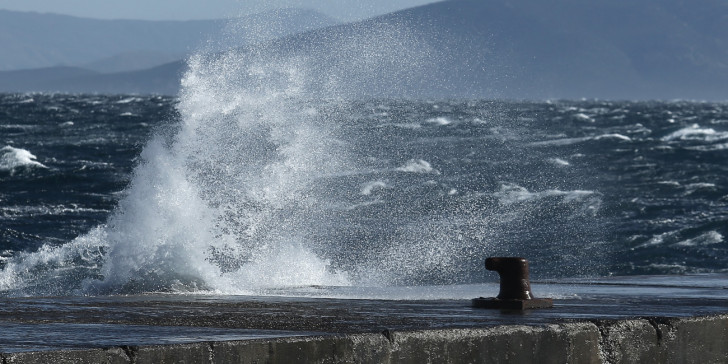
[{"x": 226, "y": 194}]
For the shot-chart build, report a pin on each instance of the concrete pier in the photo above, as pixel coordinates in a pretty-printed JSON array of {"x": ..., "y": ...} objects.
[{"x": 650, "y": 320}]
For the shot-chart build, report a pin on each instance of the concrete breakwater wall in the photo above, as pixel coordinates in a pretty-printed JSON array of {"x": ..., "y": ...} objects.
[{"x": 641, "y": 340}]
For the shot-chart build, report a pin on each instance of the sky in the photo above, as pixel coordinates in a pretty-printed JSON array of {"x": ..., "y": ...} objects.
[{"x": 204, "y": 9}]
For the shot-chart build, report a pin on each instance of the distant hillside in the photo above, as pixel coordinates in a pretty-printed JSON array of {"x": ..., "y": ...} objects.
[
  {"x": 537, "y": 49},
  {"x": 132, "y": 61},
  {"x": 32, "y": 40},
  {"x": 525, "y": 49}
]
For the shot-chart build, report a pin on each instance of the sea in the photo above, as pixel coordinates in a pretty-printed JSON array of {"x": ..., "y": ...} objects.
[{"x": 246, "y": 190}]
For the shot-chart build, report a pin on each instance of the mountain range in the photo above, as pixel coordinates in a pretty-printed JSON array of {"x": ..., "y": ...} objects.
[
  {"x": 32, "y": 40},
  {"x": 511, "y": 49}
]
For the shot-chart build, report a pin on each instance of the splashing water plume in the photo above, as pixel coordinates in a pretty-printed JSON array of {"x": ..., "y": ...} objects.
[
  {"x": 297, "y": 163},
  {"x": 230, "y": 201}
]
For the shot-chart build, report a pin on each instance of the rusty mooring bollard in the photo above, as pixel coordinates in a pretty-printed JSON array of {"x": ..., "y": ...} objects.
[{"x": 515, "y": 286}]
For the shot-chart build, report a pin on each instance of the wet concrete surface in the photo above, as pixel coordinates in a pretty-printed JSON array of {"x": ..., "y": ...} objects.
[{"x": 51, "y": 323}]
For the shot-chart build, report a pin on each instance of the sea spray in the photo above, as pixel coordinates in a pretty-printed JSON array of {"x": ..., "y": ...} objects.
[
  {"x": 283, "y": 169},
  {"x": 226, "y": 205},
  {"x": 234, "y": 198}
]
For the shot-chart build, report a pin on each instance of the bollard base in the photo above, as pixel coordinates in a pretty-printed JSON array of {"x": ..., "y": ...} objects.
[{"x": 495, "y": 303}]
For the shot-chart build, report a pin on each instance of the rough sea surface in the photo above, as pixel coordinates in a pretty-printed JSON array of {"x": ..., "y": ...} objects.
[{"x": 120, "y": 194}]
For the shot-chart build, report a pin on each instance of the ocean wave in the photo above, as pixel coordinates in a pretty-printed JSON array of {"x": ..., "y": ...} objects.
[
  {"x": 558, "y": 162},
  {"x": 655, "y": 240},
  {"x": 700, "y": 186},
  {"x": 19, "y": 127},
  {"x": 695, "y": 132},
  {"x": 709, "y": 148},
  {"x": 14, "y": 158},
  {"x": 510, "y": 193},
  {"x": 417, "y": 166},
  {"x": 441, "y": 120},
  {"x": 37, "y": 273},
  {"x": 571, "y": 141},
  {"x": 49, "y": 210},
  {"x": 708, "y": 238},
  {"x": 613, "y": 136},
  {"x": 129, "y": 100},
  {"x": 583, "y": 117},
  {"x": 676, "y": 239},
  {"x": 368, "y": 188}
]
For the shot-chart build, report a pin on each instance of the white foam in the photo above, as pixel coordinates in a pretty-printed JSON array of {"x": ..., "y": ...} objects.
[
  {"x": 280, "y": 266},
  {"x": 417, "y": 166},
  {"x": 695, "y": 132},
  {"x": 558, "y": 162},
  {"x": 583, "y": 117},
  {"x": 129, "y": 100},
  {"x": 700, "y": 186},
  {"x": 614, "y": 136},
  {"x": 13, "y": 158},
  {"x": 709, "y": 148},
  {"x": 82, "y": 253},
  {"x": 368, "y": 188},
  {"x": 560, "y": 142},
  {"x": 510, "y": 193},
  {"x": 571, "y": 141},
  {"x": 441, "y": 120},
  {"x": 709, "y": 238}
]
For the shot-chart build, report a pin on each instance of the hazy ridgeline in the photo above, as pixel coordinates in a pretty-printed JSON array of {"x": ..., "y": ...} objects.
[{"x": 338, "y": 161}]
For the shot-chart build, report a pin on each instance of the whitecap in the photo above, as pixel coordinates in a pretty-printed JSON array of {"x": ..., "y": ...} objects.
[
  {"x": 441, "y": 120},
  {"x": 559, "y": 142},
  {"x": 512, "y": 193},
  {"x": 695, "y": 132},
  {"x": 583, "y": 117},
  {"x": 129, "y": 100},
  {"x": 558, "y": 162},
  {"x": 709, "y": 148},
  {"x": 613, "y": 136},
  {"x": 700, "y": 186},
  {"x": 12, "y": 158},
  {"x": 709, "y": 238},
  {"x": 368, "y": 188},
  {"x": 66, "y": 124},
  {"x": 417, "y": 166},
  {"x": 655, "y": 240}
]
